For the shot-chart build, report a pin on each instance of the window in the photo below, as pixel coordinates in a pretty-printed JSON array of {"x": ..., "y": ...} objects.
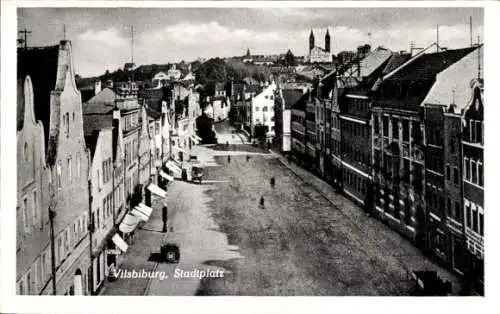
[
  {"x": 78, "y": 165},
  {"x": 29, "y": 288},
  {"x": 455, "y": 176},
  {"x": 44, "y": 267},
  {"x": 26, "y": 152},
  {"x": 69, "y": 168},
  {"x": 395, "y": 129},
  {"x": 385, "y": 126},
  {"x": 448, "y": 207},
  {"x": 60, "y": 250},
  {"x": 67, "y": 123},
  {"x": 448, "y": 173},
  {"x": 452, "y": 146},
  {"x": 406, "y": 130},
  {"x": 480, "y": 173},
  {"x": 59, "y": 183},
  {"x": 479, "y": 132},
  {"x": 74, "y": 236},
  {"x": 458, "y": 213},
  {"x": 264, "y": 109},
  {"x": 473, "y": 167},
  {"x": 256, "y": 109},
  {"x": 481, "y": 224},
  {"x": 73, "y": 117},
  {"x": 472, "y": 131},
  {"x": 98, "y": 218},
  {"x": 467, "y": 169},
  {"x": 468, "y": 215},
  {"x": 475, "y": 225},
  {"x": 35, "y": 206},
  {"x": 25, "y": 214}
]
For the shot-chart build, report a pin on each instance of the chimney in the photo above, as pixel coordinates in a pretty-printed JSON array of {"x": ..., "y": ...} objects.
[
  {"x": 97, "y": 87},
  {"x": 116, "y": 126}
]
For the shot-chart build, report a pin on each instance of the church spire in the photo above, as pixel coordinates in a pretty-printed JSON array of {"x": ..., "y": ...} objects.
[
  {"x": 311, "y": 41},
  {"x": 327, "y": 41}
]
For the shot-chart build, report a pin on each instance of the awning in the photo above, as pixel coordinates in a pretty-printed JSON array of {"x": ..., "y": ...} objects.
[
  {"x": 195, "y": 140},
  {"x": 129, "y": 223},
  {"x": 145, "y": 208},
  {"x": 166, "y": 176},
  {"x": 156, "y": 190},
  {"x": 179, "y": 149},
  {"x": 172, "y": 167},
  {"x": 142, "y": 213},
  {"x": 118, "y": 241}
]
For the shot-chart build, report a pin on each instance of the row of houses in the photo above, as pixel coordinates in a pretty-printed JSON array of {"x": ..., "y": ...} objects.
[
  {"x": 402, "y": 135},
  {"x": 86, "y": 171}
]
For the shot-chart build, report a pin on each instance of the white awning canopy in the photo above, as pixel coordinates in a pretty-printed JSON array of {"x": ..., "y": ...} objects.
[
  {"x": 166, "y": 176},
  {"x": 156, "y": 190},
  {"x": 179, "y": 149},
  {"x": 142, "y": 213},
  {"x": 128, "y": 224},
  {"x": 120, "y": 243},
  {"x": 195, "y": 140},
  {"x": 173, "y": 167}
]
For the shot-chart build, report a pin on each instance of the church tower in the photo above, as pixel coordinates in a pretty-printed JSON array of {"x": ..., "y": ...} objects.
[
  {"x": 327, "y": 41},
  {"x": 311, "y": 41}
]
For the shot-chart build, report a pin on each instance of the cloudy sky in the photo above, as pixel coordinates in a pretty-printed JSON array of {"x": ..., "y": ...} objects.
[{"x": 101, "y": 37}]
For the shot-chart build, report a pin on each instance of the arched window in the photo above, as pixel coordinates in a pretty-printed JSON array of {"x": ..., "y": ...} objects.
[
  {"x": 26, "y": 152},
  {"x": 448, "y": 173}
]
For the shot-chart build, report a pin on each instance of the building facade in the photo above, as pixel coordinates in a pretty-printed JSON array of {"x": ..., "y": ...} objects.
[
  {"x": 33, "y": 243},
  {"x": 58, "y": 105}
]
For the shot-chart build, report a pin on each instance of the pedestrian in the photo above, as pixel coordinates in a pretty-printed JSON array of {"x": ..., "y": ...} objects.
[
  {"x": 262, "y": 202},
  {"x": 272, "y": 181},
  {"x": 164, "y": 217},
  {"x": 248, "y": 158},
  {"x": 228, "y": 159}
]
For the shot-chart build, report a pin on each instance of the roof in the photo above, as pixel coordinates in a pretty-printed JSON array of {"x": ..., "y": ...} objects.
[
  {"x": 371, "y": 62},
  {"x": 106, "y": 96},
  {"x": 395, "y": 61},
  {"x": 453, "y": 85},
  {"x": 20, "y": 103},
  {"x": 91, "y": 142},
  {"x": 427, "y": 66},
  {"x": 220, "y": 86},
  {"x": 41, "y": 65},
  {"x": 291, "y": 97},
  {"x": 254, "y": 88},
  {"x": 96, "y": 122},
  {"x": 301, "y": 103}
]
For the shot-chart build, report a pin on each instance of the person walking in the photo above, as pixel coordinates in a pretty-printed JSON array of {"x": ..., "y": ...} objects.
[
  {"x": 262, "y": 202},
  {"x": 228, "y": 159},
  {"x": 164, "y": 216},
  {"x": 272, "y": 182}
]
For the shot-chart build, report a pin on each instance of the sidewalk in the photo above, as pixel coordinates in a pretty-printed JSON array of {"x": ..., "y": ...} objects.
[
  {"x": 374, "y": 232},
  {"x": 146, "y": 241}
]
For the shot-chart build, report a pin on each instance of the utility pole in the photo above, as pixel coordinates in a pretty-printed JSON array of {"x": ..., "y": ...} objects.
[
  {"x": 52, "y": 216},
  {"x": 132, "y": 52},
  {"x": 478, "y": 57},
  {"x": 64, "y": 31},
  {"x": 437, "y": 38},
  {"x": 470, "y": 30},
  {"x": 91, "y": 228},
  {"x": 25, "y": 32}
]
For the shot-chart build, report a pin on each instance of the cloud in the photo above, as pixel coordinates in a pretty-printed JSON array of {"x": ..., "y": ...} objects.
[{"x": 109, "y": 36}]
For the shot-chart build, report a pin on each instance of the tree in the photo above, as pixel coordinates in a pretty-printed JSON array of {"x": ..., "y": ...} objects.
[{"x": 290, "y": 58}]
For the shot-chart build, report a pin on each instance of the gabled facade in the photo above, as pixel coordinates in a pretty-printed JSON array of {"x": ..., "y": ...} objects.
[
  {"x": 58, "y": 105},
  {"x": 33, "y": 246}
]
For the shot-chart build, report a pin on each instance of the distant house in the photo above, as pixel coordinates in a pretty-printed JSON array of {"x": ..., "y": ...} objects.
[{"x": 129, "y": 66}]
